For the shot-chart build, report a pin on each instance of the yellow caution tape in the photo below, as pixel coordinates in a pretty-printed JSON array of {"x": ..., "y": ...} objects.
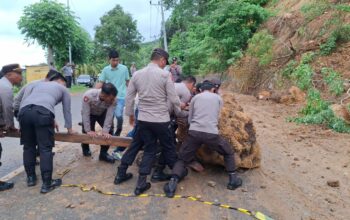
[{"x": 256, "y": 215}]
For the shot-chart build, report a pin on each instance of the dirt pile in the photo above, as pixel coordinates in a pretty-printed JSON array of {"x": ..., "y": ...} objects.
[
  {"x": 237, "y": 127},
  {"x": 342, "y": 112},
  {"x": 293, "y": 95}
]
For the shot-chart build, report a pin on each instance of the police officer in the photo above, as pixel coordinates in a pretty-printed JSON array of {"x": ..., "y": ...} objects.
[
  {"x": 11, "y": 75},
  {"x": 154, "y": 87},
  {"x": 98, "y": 106},
  {"x": 36, "y": 118},
  {"x": 203, "y": 118}
]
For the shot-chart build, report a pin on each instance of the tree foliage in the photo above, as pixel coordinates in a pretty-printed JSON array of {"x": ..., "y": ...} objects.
[
  {"x": 209, "y": 34},
  {"x": 118, "y": 31},
  {"x": 82, "y": 48},
  {"x": 49, "y": 23}
]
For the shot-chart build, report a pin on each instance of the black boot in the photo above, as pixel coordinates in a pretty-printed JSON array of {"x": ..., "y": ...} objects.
[
  {"x": 159, "y": 175},
  {"x": 49, "y": 184},
  {"x": 142, "y": 185},
  {"x": 86, "y": 150},
  {"x": 106, "y": 157},
  {"x": 31, "y": 180},
  {"x": 6, "y": 185},
  {"x": 234, "y": 181},
  {"x": 170, "y": 187},
  {"x": 122, "y": 176}
]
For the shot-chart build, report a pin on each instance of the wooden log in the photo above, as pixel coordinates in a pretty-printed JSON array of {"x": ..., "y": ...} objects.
[{"x": 84, "y": 138}]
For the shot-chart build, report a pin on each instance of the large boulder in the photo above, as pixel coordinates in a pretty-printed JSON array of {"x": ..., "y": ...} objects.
[{"x": 237, "y": 127}]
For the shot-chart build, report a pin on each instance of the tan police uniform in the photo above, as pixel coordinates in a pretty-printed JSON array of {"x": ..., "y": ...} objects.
[{"x": 94, "y": 110}]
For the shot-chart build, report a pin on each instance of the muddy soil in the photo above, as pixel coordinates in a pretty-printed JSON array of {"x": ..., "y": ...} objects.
[{"x": 297, "y": 162}]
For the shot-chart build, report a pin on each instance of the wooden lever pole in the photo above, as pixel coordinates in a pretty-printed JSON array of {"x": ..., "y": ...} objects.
[{"x": 84, "y": 138}]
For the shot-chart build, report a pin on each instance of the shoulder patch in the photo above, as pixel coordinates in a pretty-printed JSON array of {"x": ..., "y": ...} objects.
[{"x": 86, "y": 99}]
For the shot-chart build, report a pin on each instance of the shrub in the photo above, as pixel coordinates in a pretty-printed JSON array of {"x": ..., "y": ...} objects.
[
  {"x": 315, "y": 9},
  {"x": 261, "y": 47},
  {"x": 318, "y": 111},
  {"x": 333, "y": 80}
]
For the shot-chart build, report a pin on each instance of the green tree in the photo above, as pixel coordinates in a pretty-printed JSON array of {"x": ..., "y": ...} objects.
[
  {"x": 211, "y": 33},
  {"x": 49, "y": 23},
  {"x": 117, "y": 31},
  {"x": 82, "y": 48}
]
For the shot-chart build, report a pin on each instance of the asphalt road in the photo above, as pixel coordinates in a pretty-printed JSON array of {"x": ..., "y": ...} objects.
[{"x": 12, "y": 155}]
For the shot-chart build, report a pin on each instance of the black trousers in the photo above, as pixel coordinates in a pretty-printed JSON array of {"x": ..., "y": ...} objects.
[
  {"x": 194, "y": 141},
  {"x": 69, "y": 81},
  {"x": 37, "y": 128},
  {"x": 134, "y": 148},
  {"x": 150, "y": 132},
  {"x": 100, "y": 119},
  {"x": 0, "y": 153}
]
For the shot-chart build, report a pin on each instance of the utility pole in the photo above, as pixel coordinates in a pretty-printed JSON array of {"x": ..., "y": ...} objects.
[
  {"x": 69, "y": 44},
  {"x": 160, "y": 3}
]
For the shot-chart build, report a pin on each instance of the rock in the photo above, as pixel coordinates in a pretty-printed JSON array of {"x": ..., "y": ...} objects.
[
  {"x": 297, "y": 94},
  {"x": 333, "y": 183},
  {"x": 296, "y": 159},
  {"x": 263, "y": 187},
  {"x": 342, "y": 112},
  {"x": 212, "y": 183},
  {"x": 264, "y": 95}
]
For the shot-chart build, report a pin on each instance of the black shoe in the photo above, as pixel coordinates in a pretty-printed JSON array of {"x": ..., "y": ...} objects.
[
  {"x": 160, "y": 176},
  {"x": 6, "y": 185},
  {"x": 51, "y": 185},
  {"x": 120, "y": 179},
  {"x": 142, "y": 185},
  {"x": 122, "y": 176},
  {"x": 107, "y": 158},
  {"x": 142, "y": 189},
  {"x": 86, "y": 152},
  {"x": 31, "y": 180},
  {"x": 170, "y": 187},
  {"x": 234, "y": 181}
]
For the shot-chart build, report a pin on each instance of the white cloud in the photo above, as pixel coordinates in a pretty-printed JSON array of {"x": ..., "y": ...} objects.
[{"x": 14, "y": 49}]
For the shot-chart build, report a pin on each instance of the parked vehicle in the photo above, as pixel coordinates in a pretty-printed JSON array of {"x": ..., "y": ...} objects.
[{"x": 86, "y": 80}]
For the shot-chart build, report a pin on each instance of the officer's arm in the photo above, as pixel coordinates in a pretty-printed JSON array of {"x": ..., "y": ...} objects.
[
  {"x": 66, "y": 105},
  {"x": 7, "y": 105},
  {"x": 171, "y": 93},
  {"x": 190, "y": 113},
  {"x": 85, "y": 113},
  {"x": 109, "y": 119},
  {"x": 101, "y": 80},
  {"x": 130, "y": 97},
  {"x": 127, "y": 76}
]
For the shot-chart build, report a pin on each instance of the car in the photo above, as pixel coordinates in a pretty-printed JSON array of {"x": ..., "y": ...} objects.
[{"x": 86, "y": 80}]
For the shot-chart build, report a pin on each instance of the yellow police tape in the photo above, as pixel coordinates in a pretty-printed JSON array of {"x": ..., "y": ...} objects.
[
  {"x": 84, "y": 188},
  {"x": 256, "y": 215}
]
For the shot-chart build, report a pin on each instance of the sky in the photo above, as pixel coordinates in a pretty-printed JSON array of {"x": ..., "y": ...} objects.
[{"x": 13, "y": 48}]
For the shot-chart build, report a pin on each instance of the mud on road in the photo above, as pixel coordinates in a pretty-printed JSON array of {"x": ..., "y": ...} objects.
[{"x": 297, "y": 162}]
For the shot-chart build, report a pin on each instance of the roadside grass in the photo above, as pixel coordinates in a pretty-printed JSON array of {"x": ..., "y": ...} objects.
[{"x": 78, "y": 89}]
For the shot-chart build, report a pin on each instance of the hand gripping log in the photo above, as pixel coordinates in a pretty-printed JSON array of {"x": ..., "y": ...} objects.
[{"x": 84, "y": 138}]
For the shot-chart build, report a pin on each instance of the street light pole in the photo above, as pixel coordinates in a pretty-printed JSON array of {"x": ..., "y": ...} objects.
[
  {"x": 69, "y": 44},
  {"x": 160, "y": 3}
]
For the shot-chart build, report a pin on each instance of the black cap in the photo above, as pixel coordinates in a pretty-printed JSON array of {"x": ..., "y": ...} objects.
[
  {"x": 207, "y": 85},
  {"x": 162, "y": 53},
  {"x": 216, "y": 82},
  {"x": 11, "y": 68}
]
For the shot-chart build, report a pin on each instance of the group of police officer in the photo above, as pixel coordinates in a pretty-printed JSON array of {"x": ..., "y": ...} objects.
[{"x": 160, "y": 102}]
